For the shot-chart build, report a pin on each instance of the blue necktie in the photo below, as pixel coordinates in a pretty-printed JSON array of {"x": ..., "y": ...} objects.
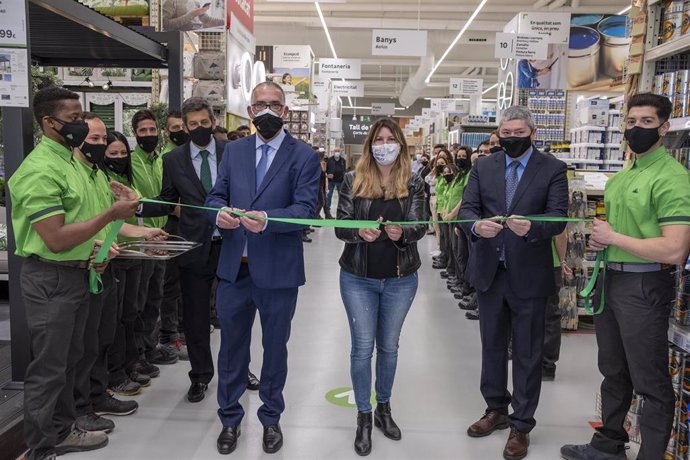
[
  {"x": 262, "y": 167},
  {"x": 511, "y": 186}
]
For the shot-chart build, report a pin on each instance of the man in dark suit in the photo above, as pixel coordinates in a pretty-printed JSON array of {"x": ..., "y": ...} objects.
[
  {"x": 269, "y": 174},
  {"x": 512, "y": 271},
  {"x": 189, "y": 173}
]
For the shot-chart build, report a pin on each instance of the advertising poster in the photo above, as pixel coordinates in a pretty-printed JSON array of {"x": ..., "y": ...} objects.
[
  {"x": 598, "y": 48},
  {"x": 196, "y": 15},
  {"x": 292, "y": 71},
  {"x": 355, "y": 131},
  {"x": 14, "y": 69},
  {"x": 549, "y": 72}
]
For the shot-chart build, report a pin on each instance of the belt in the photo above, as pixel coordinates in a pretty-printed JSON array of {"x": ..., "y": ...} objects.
[
  {"x": 217, "y": 238},
  {"x": 636, "y": 268},
  {"x": 81, "y": 264},
  {"x": 244, "y": 260}
]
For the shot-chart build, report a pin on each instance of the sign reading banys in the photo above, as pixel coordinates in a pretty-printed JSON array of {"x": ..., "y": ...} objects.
[{"x": 243, "y": 11}]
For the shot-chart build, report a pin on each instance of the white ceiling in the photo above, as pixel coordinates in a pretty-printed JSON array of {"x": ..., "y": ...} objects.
[{"x": 350, "y": 25}]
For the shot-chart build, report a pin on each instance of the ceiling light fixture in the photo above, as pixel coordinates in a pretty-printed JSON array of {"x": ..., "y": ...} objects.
[
  {"x": 107, "y": 85},
  {"x": 456, "y": 40},
  {"x": 88, "y": 81},
  {"x": 624, "y": 10},
  {"x": 328, "y": 36},
  {"x": 490, "y": 88},
  {"x": 557, "y": 4}
]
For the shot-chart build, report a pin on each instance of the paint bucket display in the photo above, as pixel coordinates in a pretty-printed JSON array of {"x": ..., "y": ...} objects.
[
  {"x": 615, "y": 45},
  {"x": 589, "y": 20},
  {"x": 583, "y": 56},
  {"x": 658, "y": 87},
  {"x": 672, "y": 20},
  {"x": 685, "y": 28}
]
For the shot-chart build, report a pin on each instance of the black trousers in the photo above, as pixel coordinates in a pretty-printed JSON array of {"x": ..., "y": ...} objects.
[
  {"x": 197, "y": 282},
  {"x": 149, "y": 303},
  {"x": 501, "y": 313},
  {"x": 56, "y": 299},
  {"x": 172, "y": 312},
  {"x": 443, "y": 241},
  {"x": 633, "y": 354},
  {"x": 462, "y": 256},
  {"x": 124, "y": 351},
  {"x": 91, "y": 378},
  {"x": 552, "y": 333}
]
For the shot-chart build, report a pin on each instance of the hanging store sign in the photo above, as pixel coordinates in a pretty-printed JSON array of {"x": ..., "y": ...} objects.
[
  {"x": 243, "y": 35},
  {"x": 522, "y": 46},
  {"x": 443, "y": 105},
  {"x": 13, "y": 23},
  {"x": 398, "y": 42},
  {"x": 350, "y": 69},
  {"x": 554, "y": 26},
  {"x": 243, "y": 11},
  {"x": 467, "y": 86},
  {"x": 383, "y": 109},
  {"x": 348, "y": 88},
  {"x": 356, "y": 129}
]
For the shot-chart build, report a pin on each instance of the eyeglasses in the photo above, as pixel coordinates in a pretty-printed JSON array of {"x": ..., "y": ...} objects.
[{"x": 275, "y": 106}]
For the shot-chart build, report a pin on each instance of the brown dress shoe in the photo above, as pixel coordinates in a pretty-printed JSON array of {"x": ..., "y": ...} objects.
[
  {"x": 490, "y": 422},
  {"x": 516, "y": 447}
]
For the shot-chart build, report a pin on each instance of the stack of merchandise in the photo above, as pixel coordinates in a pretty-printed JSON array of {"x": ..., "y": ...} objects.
[
  {"x": 676, "y": 86},
  {"x": 681, "y": 154},
  {"x": 575, "y": 256},
  {"x": 679, "y": 368},
  {"x": 673, "y": 25},
  {"x": 209, "y": 69},
  {"x": 682, "y": 303},
  {"x": 299, "y": 124},
  {"x": 548, "y": 107}
]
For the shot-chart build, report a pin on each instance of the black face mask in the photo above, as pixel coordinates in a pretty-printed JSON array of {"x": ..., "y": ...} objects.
[
  {"x": 439, "y": 169},
  {"x": 119, "y": 166},
  {"x": 74, "y": 132},
  {"x": 463, "y": 163},
  {"x": 268, "y": 125},
  {"x": 424, "y": 162},
  {"x": 95, "y": 153},
  {"x": 147, "y": 143},
  {"x": 179, "y": 137},
  {"x": 495, "y": 149},
  {"x": 640, "y": 140},
  {"x": 515, "y": 146},
  {"x": 201, "y": 136},
  {"x": 448, "y": 178}
]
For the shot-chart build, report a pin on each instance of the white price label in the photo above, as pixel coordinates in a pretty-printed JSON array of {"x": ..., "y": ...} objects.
[
  {"x": 12, "y": 23},
  {"x": 505, "y": 46}
]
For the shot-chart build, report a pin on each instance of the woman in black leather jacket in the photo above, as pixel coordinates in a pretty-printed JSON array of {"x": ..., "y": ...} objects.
[{"x": 378, "y": 277}]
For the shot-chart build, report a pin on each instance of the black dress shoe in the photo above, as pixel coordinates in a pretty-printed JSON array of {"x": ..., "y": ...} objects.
[
  {"x": 273, "y": 439},
  {"x": 363, "y": 435},
  {"x": 458, "y": 295},
  {"x": 252, "y": 382},
  {"x": 473, "y": 315},
  {"x": 444, "y": 274},
  {"x": 197, "y": 392},
  {"x": 227, "y": 440},
  {"x": 306, "y": 239},
  {"x": 384, "y": 420}
]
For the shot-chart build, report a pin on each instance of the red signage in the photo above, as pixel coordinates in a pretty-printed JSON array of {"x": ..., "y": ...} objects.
[{"x": 243, "y": 10}]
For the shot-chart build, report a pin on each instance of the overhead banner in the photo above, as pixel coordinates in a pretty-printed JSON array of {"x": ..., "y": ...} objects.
[
  {"x": 467, "y": 86},
  {"x": 348, "y": 88},
  {"x": 349, "y": 69},
  {"x": 443, "y": 105},
  {"x": 382, "y": 109},
  {"x": 356, "y": 131},
  {"x": 292, "y": 71},
  {"x": 554, "y": 26},
  {"x": 395, "y": 42},
  {"x": 534, "y": 68},
  {"x": 243, "y": 12}
]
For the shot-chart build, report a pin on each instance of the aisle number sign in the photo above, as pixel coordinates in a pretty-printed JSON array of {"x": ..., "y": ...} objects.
[
  {"x": 467, "y": 86},
  {"x": 443, "y": 105},
  {"x": 12, "y": 23},
  {"x": 385, "y": 42},
  {"x": 521, "y": 46},
  {"x": 382, "y": 109},
  {"x": 340, "y": 68}
]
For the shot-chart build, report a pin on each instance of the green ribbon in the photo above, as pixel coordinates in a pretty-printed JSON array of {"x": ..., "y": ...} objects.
[
  {"x": 602, "y": 259},
  {"x": 95, "y": 281}
]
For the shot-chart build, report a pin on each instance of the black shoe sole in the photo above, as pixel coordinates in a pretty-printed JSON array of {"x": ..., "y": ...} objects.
[
  {"x": 500, "y": 426},
  {"x": 364, "y": 453},
  {"x": 274, "y": 449},
  {"x": 514, "y": 457},
  {"x": 252, "y": 387},
  {"x": 68, "y": 450},
  {"x": 164, "y": 363},
  {"x": 102, "y": 413},
  {"x": 196, "y": 399},
  {"x": 222, "y": 451},
  {"x": 379, "y": 425}
]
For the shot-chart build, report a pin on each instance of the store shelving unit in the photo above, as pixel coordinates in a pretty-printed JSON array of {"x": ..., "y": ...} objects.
[
  {"x": 679, "y": 335},
  {"x": 472, "y": 134}
]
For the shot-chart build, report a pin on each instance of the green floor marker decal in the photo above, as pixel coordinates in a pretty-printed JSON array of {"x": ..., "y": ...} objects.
[{"x": 345, "y": 397}]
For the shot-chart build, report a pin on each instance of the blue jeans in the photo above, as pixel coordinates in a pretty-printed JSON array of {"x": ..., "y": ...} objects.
[
  {"x": 376, "y": 310},
  {"x": 331, "y": 186}
]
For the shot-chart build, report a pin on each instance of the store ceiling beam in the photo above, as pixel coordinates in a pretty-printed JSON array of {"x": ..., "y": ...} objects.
[
  {"x": 102, "y": 42},
  {"x": 414, "y": 62},
  {"x": 431, "y": 7},
  {"x": 380, "y": 23}
]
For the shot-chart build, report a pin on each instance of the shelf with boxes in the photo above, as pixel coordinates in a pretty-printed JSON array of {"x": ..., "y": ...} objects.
[
  {"x": 596, "y": 141},
  {"x": 548, "y": 108},
  {"x": 297, "y": 124}
]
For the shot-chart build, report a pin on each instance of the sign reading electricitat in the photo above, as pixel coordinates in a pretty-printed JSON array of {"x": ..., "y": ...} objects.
[
  {"x": 386, "y": 42},
  {"x": 12, "y": 23},
  {"x": 347, "y": 88},
  {"x": 340, "y": 68}
]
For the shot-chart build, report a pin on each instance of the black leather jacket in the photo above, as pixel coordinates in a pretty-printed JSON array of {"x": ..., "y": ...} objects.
[{"x": 354, "y": 258}]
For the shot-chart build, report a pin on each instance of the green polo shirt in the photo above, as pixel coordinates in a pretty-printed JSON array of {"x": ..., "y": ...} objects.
[
  {"x": 147, "y": 178},
  {"x": 170, "y": 146},
  {"x": 454, "y": 191},
  {"x": 49, "y": 182},
  {"x": 100, "y": 188},
  {"x": 132, "y": 220},
  {"x": 441, "y": 186},
  {"x": 654, "y": 191}
]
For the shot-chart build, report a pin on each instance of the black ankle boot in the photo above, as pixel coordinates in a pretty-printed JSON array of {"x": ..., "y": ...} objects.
[
  {"x": 384, "y": 420},
  {"x": 363, "y": 436}
]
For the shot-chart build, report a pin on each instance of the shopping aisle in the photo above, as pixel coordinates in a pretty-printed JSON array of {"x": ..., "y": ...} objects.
[{"x": 436, "y": 394}]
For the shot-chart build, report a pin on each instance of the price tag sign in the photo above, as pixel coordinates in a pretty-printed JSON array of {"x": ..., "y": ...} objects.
[
  {"x": 505, "y": 46},
  {"x": 12, "y": 23},
  {"x": 466, "y": 86}
]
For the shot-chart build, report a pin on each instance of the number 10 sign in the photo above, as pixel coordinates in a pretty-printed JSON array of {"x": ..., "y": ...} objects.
[{"x": 505, "y": 46}]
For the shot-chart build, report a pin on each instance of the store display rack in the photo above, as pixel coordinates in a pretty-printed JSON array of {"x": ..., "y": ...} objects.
[{"x": 473, "y": 134}]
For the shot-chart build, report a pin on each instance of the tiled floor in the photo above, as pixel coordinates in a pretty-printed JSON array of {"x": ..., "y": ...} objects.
[{"x": 436, "y": 394}]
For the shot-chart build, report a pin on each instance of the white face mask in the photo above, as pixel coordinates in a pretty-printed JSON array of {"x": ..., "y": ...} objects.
[
  {"x": 337, "y": 155},
  {"x": 385, "y": 154},
  {"x": 418, "y": 156}
]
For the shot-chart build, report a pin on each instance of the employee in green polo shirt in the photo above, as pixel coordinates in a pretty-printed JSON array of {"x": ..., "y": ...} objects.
[
  {"x": 648, "y": 231},
  {"x": 55, "y": 222},
  {"x": 147, "y": 177},
  {"x": 91, "y": 382},
  {"x": 174, "y": 131}
]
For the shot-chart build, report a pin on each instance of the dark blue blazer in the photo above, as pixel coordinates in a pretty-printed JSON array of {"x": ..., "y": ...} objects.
[
  {"x": 542, "y": 191},
  {"x": 289, "y": 189}
]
